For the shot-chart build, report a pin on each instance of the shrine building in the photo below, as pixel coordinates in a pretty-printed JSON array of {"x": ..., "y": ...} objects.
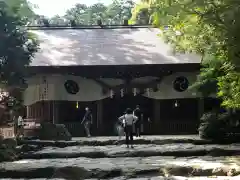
[{"x": 108, "y": 70}]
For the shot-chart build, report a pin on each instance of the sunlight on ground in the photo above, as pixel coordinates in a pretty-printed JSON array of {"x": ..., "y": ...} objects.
[
  {"x": 198, "y": 163},
  {"x": 235, "y": 159}
]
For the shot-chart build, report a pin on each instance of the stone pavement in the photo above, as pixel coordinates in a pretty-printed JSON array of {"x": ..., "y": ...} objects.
[
  {"x": 113, "y": 140},
  {"x": 145, "y": 137},
  {"x": 103, "y": 141},
  {"x": 153, "y": 157},
  {"x": 130, "y": 167},
  {"x": 176, "y": 149}
]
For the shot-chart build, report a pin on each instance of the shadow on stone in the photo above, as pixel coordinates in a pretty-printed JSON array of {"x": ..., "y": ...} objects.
[
  {"x": 52, "y": 140},
  {"x": 75, "y": 173},
  {"x": 62, "y": 155},
  {"x": 101, "y": 174},
  {"x": 142, "y": 153},
  {"x": 28, "y": 173}
]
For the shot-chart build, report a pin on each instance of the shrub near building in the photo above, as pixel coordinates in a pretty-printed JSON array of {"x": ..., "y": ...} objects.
[{"x": 219, "y": 126}]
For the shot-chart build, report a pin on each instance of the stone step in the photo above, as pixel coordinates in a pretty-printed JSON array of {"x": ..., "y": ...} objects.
[
  {"x": 179, "y": 150},
  {"x": 103, "y": 141},
  {"x": 105, "y": 168}
]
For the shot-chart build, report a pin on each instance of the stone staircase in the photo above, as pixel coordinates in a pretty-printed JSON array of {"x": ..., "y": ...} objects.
[{"x": 153, "y": 157}]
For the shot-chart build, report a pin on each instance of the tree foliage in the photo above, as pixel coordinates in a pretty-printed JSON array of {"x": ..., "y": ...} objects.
[
  {"x": 141, "y": 13},
  {"x": 112, "y": 14},
  {"x": 209, "y": 28},
  {"x": 17, "y": 45}
]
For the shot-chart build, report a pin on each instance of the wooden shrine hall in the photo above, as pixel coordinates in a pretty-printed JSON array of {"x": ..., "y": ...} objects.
[{"x": 109, "y": 70}]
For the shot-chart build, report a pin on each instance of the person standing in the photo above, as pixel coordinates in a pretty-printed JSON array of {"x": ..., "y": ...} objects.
[
  {"x": 129, "y": 120},
  {"x": 120, "y": 129},
  {"x": 18, "y": 126},
  {"x": 138, "y": 125},
  {"x": 87, "y": 121}
]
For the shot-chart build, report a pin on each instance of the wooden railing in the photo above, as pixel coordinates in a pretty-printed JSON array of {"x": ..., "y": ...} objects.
[
  {"x": 178, "y": 127},
  {"x": 31, "y": 127}
]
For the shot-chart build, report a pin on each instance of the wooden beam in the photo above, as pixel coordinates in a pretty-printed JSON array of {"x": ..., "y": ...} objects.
[
  {"x": 138, "y": 85},
  {"x": 102, "y": 83},
  {"x": 128, "y": 85}
]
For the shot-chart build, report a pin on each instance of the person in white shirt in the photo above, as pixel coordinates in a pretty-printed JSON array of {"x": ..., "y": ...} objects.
[
  {"x": 19, "y": 126},
  {"x": 120, "y": 129},
  {"x": 129, "y": 120}
]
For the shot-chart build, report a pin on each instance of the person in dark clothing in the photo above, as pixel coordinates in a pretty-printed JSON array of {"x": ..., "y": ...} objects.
[
  {"x": 87, "y": 121},
  {"x": 129, "y": 120},
  {"x": 137, "y": 112}
]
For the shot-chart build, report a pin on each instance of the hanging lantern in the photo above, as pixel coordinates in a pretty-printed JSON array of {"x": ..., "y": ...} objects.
[
  {"x": 122, "y": 92},
  {"x": 176, "y": 104},
  {"x": 111, "y": 93},
  {"x": 134, "y": 91},
  {"x": 77, "y": 105}
]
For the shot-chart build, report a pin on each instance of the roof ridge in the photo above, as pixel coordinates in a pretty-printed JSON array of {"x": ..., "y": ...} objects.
[{"x": 88, "y": 27}]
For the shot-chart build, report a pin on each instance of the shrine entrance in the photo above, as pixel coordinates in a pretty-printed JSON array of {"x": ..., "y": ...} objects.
[{"x": 115, "y": 107}]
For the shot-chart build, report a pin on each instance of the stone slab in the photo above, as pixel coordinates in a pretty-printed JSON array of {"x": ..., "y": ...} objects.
[
  {"x": 131, "y": 167},
  {"x": 179, "y": 150},
  {"x": 110, "y": 140},
  {"x": 103, "y": 141}
]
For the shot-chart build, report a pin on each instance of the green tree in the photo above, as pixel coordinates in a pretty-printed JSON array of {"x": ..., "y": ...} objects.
[
  {"x": 21, "y": 8},
  {"x": 114, "y": 13},
  {"x": 141, "y": 14},
  {"x": 58, "y": 20},
  {"x": 118, "y": 11},
  {"x": 79, "y": 13},
  {"x": 209, "y": 28},
  {"x": 17, "y": 47}
]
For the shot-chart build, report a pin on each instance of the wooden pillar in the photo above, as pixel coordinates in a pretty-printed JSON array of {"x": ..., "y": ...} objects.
[
  {"x": 200, "y": 107},
  {"x": 49, "y": 112},
  {"x": 55, "y": 111},
  {"x": 156, "y": 122},
  {"x": 28, "y": 112},
  {"x": 99, "y": 115}
]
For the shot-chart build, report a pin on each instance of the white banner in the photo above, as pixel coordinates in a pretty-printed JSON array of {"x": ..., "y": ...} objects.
[{"x": 52, "y": 88}]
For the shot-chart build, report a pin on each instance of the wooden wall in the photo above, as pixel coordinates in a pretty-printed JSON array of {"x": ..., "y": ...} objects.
[{"x": 164, "y": 117}]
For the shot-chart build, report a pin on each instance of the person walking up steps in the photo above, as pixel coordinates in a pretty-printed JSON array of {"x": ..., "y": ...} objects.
[
  {"x": 129, "y": 120},
  {"x": 87, "y": 121}
]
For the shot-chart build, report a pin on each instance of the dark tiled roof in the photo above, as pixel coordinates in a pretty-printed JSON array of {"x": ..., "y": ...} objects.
[{"x": 119, "y": 46}]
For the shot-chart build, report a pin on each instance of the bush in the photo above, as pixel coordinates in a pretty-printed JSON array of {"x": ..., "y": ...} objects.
[
  {"x": 49, "y": 131},
  {"x": 218, "y": 126},
  {"x": 8, "y": 150},
  {"x": 212, "y": 125}
]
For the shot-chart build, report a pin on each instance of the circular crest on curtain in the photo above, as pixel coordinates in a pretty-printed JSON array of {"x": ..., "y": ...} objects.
[
  {"x": 181, "y": 84},
  {"x": 71, "y": 87}
]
